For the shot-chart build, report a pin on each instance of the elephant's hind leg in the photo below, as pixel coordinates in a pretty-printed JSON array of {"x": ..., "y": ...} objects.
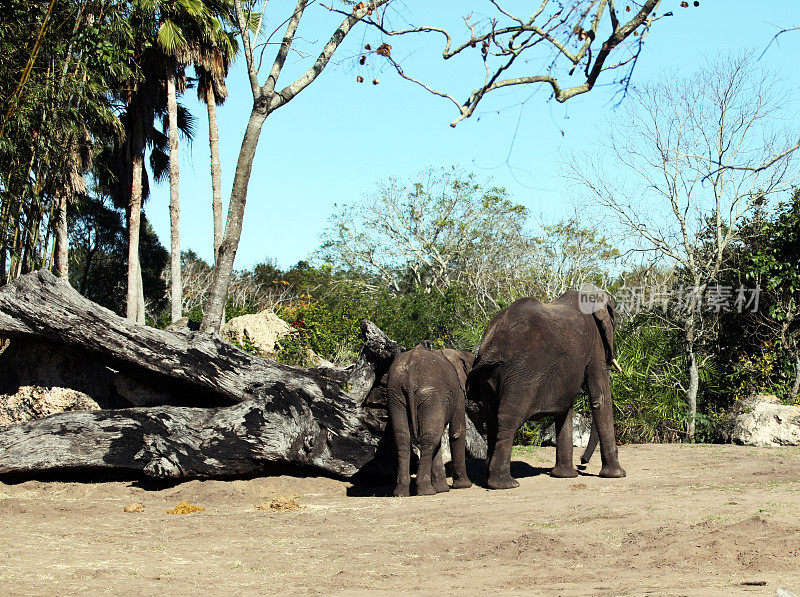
[
  {"x": 602, "y": 410},
  {"x": 500, "y": 464},
  {"x": 427, "y": 444},
  {"x": 458, "y": 450},
  {"x": 564, "y": 468},
  {"x": 402, "y": 439},
  {"x": 438, "y": 476}
]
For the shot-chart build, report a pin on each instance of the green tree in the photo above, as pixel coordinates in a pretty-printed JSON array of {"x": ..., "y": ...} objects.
[
  {"x": 442, "y": 228},
  {"x": 762, "y": 343},
  {"x": 55, "y": 109},
  {"x": 181, "y": 29},
  {"x": 99, "y": 239}
]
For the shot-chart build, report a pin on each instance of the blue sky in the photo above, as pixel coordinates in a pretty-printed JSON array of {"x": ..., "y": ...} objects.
[{"x": 338, "y": 138}]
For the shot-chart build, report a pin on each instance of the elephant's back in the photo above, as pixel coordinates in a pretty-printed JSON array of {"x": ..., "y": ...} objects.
[
  {"x": 527, "y": 327},
  {"x": 509, "y": 326},
  {"x": 419, "y": 369}
]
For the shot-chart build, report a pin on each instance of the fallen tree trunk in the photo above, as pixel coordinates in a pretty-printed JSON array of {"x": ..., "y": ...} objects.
[
  {"x": 41, "y": 307},
  {"x": 256, "y": 412}
]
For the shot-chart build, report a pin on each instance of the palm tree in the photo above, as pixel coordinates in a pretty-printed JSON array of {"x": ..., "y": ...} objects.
[
  {"x": 180, "y": 25},
  {"x": 145, "y": 101},
  {"x": 211, "y": 67}
]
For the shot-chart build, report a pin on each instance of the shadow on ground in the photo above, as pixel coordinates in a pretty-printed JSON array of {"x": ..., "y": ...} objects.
[{"x": 476, "y": 469}]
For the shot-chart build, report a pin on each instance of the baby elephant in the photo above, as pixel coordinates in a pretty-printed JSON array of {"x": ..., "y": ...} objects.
[{"x": 426, "y": 392}]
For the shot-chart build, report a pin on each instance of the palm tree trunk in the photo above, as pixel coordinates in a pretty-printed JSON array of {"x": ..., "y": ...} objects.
[
  {"x": 176, "y": 289},
  {"x": 62, "y": 255},
  {"x": 214, "y": 310},
  {"x": 216, "y": 171},
  {"x": 134, "y": 223},
  {"x": 140, "y": 315}
]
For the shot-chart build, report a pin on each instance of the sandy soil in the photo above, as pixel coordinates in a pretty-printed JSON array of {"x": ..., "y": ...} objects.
[{"x": 688, "y": 520}]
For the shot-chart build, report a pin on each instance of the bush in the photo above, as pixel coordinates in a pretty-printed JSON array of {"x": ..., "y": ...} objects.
[
  {"x": 325, "y": 329},
  {"x": 447, "y": 319}
]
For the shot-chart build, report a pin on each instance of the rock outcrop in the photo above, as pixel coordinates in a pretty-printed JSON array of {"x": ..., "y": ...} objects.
[
  {"x": 762, "y": 420},
  {"x": 262, "y": 330},
  {"x": 35, "y": 402}
]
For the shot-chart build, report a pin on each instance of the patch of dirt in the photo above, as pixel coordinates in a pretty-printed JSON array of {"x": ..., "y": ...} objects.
[
  {"x": 283, "y": 503},
  {"x": 687, "y": 520}
]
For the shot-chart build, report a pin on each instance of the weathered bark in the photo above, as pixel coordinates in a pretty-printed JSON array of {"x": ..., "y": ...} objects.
[
  {"x": 40, "y": 307},
  {"x": 176, "y": 288},
  {"x": 216, "y": 170},
  {"x": 258, "y": 412}
]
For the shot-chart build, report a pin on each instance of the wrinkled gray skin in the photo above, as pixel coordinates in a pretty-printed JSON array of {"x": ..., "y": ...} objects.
[
  {"x": 426, "y": 392},
  {"x": 533, "y": 361}
]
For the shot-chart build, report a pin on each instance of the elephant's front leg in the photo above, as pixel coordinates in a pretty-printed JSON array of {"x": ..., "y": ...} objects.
[
  {"x": 564, "y": 468},
  {"x": 603, "y": 414}
]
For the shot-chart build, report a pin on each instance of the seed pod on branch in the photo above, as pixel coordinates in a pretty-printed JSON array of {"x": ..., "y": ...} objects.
[{"x": 384, "y": 50}]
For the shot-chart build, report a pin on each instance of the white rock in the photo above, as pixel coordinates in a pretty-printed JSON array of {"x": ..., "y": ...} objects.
[
  {"x": 34, "y": 402},
  {"x": 262, "y": 330},
  {"x": 762, "y": 420}
]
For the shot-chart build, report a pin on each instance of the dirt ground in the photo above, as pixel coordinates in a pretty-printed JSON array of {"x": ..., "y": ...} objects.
[{"x": 687, "y": 520}]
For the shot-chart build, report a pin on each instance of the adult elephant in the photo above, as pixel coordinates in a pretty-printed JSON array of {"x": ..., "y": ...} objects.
[{"x": 533, "y": 361}]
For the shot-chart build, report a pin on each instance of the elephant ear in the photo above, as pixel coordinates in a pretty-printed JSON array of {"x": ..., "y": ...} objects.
[
  {"x": 603, "y": 315},
  {"x": 462, "y": 362},
  {"x": 467, "y": 359}
]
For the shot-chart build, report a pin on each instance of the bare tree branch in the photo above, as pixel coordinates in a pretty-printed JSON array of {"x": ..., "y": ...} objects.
[
  {"x": 286, "y": 44},
  {"x": 557, "y": 30}
]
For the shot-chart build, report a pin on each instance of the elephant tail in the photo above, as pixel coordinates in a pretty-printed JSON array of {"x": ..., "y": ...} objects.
[{"x": 412, "y": 413}]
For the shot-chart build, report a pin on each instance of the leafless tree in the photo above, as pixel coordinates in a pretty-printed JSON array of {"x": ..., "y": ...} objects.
[
  {"x": 570, "y": 31},
  {"x": 245, "y": 289},
  {"x": 573, "y": 253},
  {"x": 559, "y": 39},
  {"x": 686, "y": 162}
]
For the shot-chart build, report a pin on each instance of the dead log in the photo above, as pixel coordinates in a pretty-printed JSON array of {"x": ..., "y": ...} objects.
[{"x": 254, "y": 412}]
